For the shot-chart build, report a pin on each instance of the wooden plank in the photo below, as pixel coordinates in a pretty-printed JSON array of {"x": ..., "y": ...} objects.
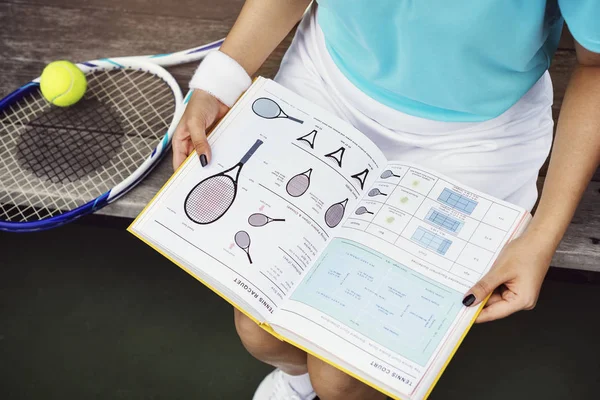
[
  {"x": 224, "y": 10},
  {"x": 22, "y": 57},
  {"x": 580, "y": 248}
]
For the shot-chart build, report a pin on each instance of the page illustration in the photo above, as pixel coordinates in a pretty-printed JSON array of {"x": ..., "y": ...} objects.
[
  {"x": 388, "y": 174},
  {"x": 298, "y": 184},
  {"x": 361, "y": 177},
  {"x": 337, "y": 156},
  {"x": 380, "y": 298},
  {"x": 309, "y": 138},
  {"x": 335, "y": 213},
  {"x": 257, "y": 220},
  {"x": 362, "y": 210},
  {"x": 269, "y": 109},
  {"x": 212, "y": 197},
  {"x": 242, "y": 239},
  {"x": 376, "y": 192}
]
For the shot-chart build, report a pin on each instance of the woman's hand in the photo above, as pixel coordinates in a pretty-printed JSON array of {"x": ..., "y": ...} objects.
[
  {"x": 202, "y": 111},
  {"x": 515, "y": 279}
]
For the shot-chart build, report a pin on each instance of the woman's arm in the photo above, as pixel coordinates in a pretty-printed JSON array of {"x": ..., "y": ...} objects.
[
  {"x": 575, "y": 156},
  {"x": 258, "y": 30},
  {"x": 576, "y": 152}
]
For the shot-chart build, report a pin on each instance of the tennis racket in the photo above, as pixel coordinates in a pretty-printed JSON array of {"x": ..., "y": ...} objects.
[
  {"x": 258, "y": 220},
  {"x": 376, "y": 192},
  {"x": 298, "y": 184},
  {"x": 362, "y": 210},
  {"x": 388, "y": 174},
  {"x": 210, "y": 199},
  {"x": 57, "y": 164},
  {"x": 242, "y": 239},
  {"x": 335, "y": 213},
  {"x": 269, "y": 109}
]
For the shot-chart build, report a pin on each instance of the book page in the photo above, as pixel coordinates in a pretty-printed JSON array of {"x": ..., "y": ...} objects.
[
  {"x": 387, "y": 291},
  {"x": 284, "y": 175}
]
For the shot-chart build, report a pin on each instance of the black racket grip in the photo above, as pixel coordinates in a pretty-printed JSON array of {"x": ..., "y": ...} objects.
[{"x": 250, "y": 152}]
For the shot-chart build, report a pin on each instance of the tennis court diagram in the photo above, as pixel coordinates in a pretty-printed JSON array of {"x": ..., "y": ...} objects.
[
  {"x": 457, "y": 201},
  {"x": 380, "y": 298},
  {"x": 444, "y": 221},
  {"x": 431, "y": 241}
]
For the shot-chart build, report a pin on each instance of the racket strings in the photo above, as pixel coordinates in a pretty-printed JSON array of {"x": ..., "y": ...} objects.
[
  {"x": 53, "y": 160},
  {"x": 210, "y": 199},
  {"x": 298, "y": 185},
  {"x": 55, "y": 148}
]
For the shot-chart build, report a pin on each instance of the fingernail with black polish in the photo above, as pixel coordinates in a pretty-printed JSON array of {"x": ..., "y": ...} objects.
[
  {"x": 203, "y": 160},
  {"x": 470, "y": 299}
]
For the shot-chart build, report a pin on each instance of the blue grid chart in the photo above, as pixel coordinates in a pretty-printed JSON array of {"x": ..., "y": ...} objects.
[
  {"x": 431, "y": 241},
  {"x": 457, "y": 201},
  {"x": 444, "y": 221}
]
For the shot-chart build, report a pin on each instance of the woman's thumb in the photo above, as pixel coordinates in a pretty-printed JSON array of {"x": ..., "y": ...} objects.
[{"x": 482, "y": 289}]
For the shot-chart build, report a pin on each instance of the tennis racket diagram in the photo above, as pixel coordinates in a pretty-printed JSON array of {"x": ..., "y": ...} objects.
[
  {"x": 269, "y": 109},
  {"x": 242, "y": 239},
  {"x": 361, "y": 177},
  {"x": 388, "y": 174},
  {"x": 309, "y": 138},
  {"x": 362, "y": 210},
  {"x": 210, "y": 199},
  {"x": 337, "y": 156},
  {"x": 298, "y": 184},
  {"x": 258, "y": 219},
  {"x": 376, "y": 192},
  {"x": 57, "y": 164},
  {"x": 335, "y": 213}
]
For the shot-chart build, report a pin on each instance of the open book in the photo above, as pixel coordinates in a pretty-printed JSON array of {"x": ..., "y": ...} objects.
[{"x": 302, "y": 224}]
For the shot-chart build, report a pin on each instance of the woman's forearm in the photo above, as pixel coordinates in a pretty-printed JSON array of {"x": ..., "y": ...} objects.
[
  {"x": 260, "y": 27},
  {"x": 575, "y": 157}
]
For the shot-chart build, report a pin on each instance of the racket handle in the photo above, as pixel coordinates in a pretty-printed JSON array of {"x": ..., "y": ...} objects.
[
  {"x": 250, "y": 152},
  {"x": 296, "y": 120}
]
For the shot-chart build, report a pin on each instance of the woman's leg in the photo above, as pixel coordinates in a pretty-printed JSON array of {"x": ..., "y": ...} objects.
[
  {"x": 329, "y": 383},
  {"x": 332, "y": 384},
  {"x": 267, "y": 348}
]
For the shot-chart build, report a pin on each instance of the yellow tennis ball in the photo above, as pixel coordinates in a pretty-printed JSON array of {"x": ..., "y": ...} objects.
[{"x": 62, "y": 83}]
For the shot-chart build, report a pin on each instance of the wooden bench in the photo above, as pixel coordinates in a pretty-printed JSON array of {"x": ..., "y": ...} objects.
[{"x": 39, "y": 31}]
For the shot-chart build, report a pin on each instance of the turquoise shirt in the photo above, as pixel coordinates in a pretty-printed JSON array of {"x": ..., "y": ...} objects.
[{"x": 451, "y": 60}]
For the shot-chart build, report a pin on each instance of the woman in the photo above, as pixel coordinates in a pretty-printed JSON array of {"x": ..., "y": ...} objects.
[{"x": 461, "y": 87}]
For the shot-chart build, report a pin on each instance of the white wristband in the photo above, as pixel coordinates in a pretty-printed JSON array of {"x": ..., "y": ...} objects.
[{"x": 221, "y": 76}]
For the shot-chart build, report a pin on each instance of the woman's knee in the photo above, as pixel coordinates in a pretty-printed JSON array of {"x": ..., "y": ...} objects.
[
  {"x": 256, "y": 340},
  {"x": 332, "y": 384}
]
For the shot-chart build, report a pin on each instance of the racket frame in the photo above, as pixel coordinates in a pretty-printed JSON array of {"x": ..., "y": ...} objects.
[
  {"x": 150, "y": 63},
  {"x": 239, "y": 165},
  {"x": 343, "y": 204}
]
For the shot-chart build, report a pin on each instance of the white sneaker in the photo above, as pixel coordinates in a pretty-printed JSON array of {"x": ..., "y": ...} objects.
[{"x": 275, "y": 387}]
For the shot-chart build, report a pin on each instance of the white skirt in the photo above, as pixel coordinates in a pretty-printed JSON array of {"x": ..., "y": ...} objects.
[{"x": 501, "y": 156}]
